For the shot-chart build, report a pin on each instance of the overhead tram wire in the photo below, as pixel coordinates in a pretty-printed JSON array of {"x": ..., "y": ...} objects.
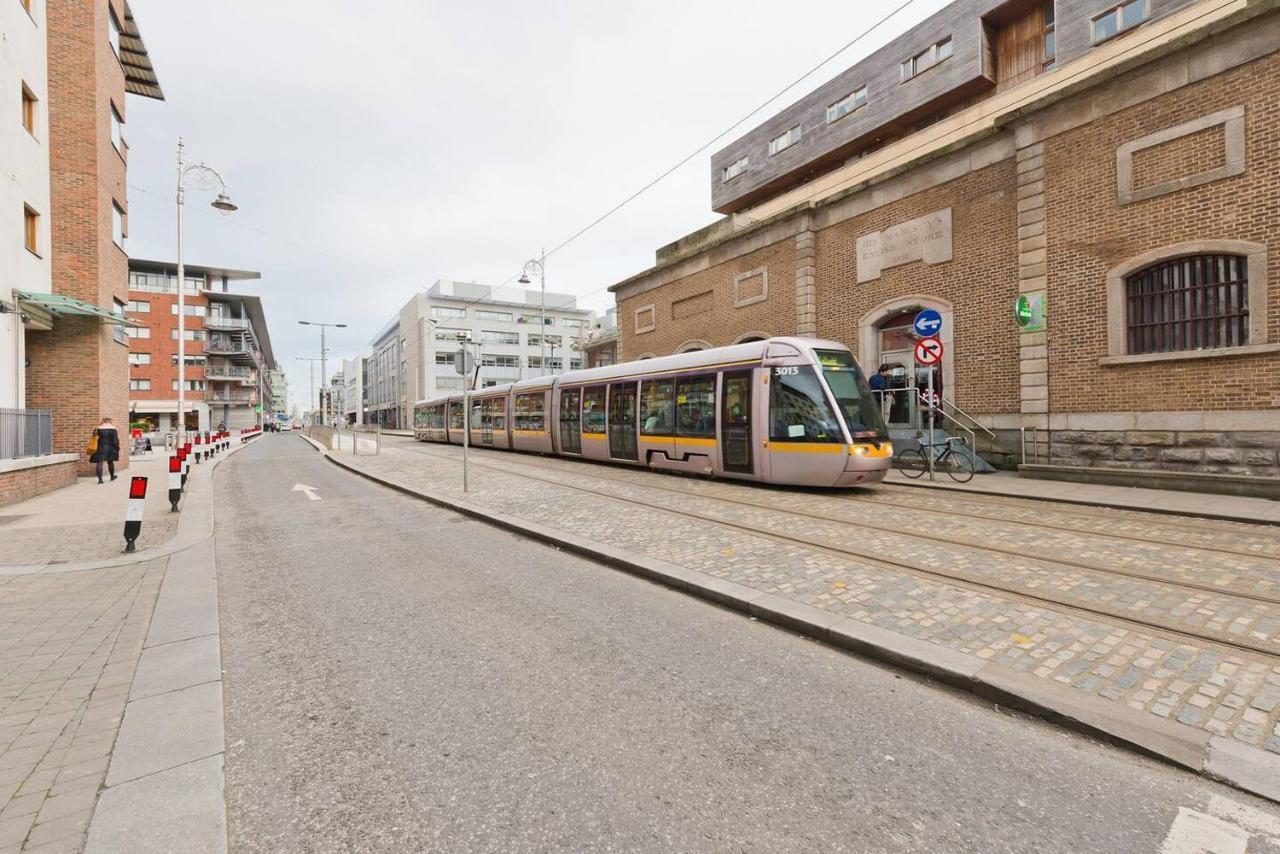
[{"x": 631, "y": 198}]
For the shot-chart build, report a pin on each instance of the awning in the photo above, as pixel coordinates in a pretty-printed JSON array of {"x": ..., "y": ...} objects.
[{"x": 64, "y": 306}]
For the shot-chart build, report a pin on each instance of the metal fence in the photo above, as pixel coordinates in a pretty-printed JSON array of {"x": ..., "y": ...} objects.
[
  {"x": 25, "y": 433},
  {"x": 347, "y": 439}
]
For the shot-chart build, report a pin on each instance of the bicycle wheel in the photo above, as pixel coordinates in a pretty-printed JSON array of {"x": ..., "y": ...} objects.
[
  {"x": 959, "y": 466},
  {"x": 911, "y": 462}
]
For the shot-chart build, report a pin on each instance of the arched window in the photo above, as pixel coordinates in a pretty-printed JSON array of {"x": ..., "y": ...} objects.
[{"x": 1196, "y": 302}]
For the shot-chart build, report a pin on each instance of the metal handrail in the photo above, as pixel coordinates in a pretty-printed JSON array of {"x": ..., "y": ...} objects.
[
  {"x": 976, "y": 422},
  {"x": 1035, "y": 444}
]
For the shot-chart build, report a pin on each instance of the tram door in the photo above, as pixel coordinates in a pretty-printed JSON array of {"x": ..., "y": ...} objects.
[
  {"x": 735, "y": 421},
  {"x": 622, "y": 421},
  {"x": 570, "y": 426}
]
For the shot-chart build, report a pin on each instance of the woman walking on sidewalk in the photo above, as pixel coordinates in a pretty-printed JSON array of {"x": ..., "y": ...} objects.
[{"x": 104, "y": 446}]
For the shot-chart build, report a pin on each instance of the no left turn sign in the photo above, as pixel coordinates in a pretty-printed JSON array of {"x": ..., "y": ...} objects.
[{"x": 928, "y": 351}]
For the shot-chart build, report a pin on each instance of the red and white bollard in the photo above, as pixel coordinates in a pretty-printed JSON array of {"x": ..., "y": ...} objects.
[
  {"x": 175, "y": 483},
  {"x": 198, "y": 447},
  {"x": 186, "y": 463},
  {"x": 133, "y": 515}
]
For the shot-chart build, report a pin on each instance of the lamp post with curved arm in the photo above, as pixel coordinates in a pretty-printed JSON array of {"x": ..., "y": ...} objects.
[
  {"x": 539, "y": 265},
  {"x": 195, "y": 176}
]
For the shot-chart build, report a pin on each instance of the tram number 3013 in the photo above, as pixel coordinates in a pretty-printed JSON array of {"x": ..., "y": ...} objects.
[{"x": 786, "y": 371}]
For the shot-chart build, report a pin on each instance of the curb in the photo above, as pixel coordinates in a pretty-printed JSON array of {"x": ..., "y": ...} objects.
[
  {"x": 1248, "y": 768},
  {"x": 190, "y": 530}
]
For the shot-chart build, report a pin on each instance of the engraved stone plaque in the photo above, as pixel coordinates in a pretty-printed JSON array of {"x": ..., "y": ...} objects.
[{"x": 927, "y": 239}]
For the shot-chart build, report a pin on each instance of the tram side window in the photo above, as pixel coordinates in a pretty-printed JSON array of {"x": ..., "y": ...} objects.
[
  {"x": 529, "y": 412},
  {"x": 496, "y": 414},
  {"x": 656, "y": 415},
  {"x": 593, "y": 410},
  {"x": 435, "y": 418},
  {"x": 455, "y": 415},
  {"x": 696, "y": 407},
  {"x": 476, "y": 414},
  {"x": 798, "y": 408}
]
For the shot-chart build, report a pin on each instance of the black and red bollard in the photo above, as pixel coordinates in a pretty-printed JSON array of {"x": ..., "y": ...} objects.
[
  {"x": 133, "y": 516},
  {"x": 175, "y": 483}
]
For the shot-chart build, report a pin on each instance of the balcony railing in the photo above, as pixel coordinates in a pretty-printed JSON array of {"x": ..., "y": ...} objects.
[
  {"x": 226, "y": 344},
  {"x": 25, "y": 433},
  {"x": 219, "y": 372},
  {"x": 214, "y": 321},
  {"x": 230, "y": 396}
]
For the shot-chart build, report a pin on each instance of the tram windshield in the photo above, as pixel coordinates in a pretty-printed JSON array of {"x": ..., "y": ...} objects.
[{"x": 853, "y": 396}]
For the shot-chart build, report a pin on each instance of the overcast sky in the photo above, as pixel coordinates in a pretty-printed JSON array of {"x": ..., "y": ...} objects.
[{"x": 375, "y": 148}]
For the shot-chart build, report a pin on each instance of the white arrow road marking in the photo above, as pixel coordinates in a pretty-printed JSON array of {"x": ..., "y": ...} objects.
[
  {"x": 309, "y": 490},
  {"x": 1199, "y": 833}
]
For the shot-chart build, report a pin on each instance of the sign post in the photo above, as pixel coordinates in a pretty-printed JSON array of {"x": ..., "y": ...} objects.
[
  {"x": 928, "y": 353},
  {"x": 461, "y": 363}
]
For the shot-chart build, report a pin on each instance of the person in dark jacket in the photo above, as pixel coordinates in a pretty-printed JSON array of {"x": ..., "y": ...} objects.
[{"x": 108, "y": 449}]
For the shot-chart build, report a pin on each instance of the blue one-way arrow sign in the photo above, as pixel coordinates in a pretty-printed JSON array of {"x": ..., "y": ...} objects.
[{"x": 928, "y": 323}]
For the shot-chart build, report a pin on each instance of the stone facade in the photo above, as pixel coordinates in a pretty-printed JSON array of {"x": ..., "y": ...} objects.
[{"x": 1170, "y": 157}]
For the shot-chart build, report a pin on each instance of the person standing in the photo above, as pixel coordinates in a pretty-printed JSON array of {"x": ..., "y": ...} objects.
[{"x": 105, "y": 448}]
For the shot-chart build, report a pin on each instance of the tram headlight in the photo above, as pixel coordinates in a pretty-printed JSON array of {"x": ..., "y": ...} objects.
[{"x": 870, "y": 451}]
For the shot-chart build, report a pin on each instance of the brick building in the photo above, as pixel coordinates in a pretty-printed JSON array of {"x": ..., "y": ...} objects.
[
  {"x": 69, "y": 292},
  {"x": 229, "y": 361},
  {"x": 1114, "y": 166}
]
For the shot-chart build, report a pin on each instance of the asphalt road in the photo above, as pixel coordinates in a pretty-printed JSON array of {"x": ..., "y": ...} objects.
[{"x": 399, "y": 678}]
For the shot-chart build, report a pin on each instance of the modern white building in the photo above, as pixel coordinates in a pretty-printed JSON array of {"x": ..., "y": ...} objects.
[
  {"x": 25, "y": 257},
  {"x": 353, "y": 374}
]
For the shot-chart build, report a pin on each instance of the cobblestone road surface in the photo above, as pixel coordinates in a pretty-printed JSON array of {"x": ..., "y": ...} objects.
[{"x": 1168, "y": 673}]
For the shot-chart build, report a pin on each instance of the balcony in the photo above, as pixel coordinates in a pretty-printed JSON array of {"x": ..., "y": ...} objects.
[
  {"x": 227, "y": 372},
  {"x": 215, "y": 321},
  {"x": 221, "y": 396}
]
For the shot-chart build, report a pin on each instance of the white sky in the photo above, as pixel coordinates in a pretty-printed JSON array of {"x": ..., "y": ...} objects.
[{"x": 374, "y": 148}]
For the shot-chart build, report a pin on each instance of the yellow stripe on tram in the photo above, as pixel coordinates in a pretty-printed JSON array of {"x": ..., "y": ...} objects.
[{"x": 810, "y": 447}]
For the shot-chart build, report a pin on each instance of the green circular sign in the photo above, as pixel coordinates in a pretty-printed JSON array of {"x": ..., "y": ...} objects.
[{"x": 1022, "y": 310}]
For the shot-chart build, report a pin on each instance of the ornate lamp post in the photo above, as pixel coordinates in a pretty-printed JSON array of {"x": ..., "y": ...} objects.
[
  {"x": 195, "y": 176},
  {"x": 539, "y": 266}
]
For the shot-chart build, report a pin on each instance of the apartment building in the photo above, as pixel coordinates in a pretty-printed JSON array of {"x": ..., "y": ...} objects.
[
  {"x": 65, "y": 70},
  {"x": 279, "y": 381},
  {"x": 228, "y": 356},
  {"x": 383, "y": 378},
  {"x": 333, "y": 403},
  {"x": 353, "y": 372},
  {"x": 1084, "y": 189}
]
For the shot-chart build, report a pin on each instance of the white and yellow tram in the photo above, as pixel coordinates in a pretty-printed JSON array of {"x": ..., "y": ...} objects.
[{"x": 786, "y": 410}]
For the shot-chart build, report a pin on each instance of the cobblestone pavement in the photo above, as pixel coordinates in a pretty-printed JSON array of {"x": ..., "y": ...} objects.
[
  {"x": 69, "y": 643},
  {"x": 85, "y": 521},
  {"x": 1220, "y": 688}
]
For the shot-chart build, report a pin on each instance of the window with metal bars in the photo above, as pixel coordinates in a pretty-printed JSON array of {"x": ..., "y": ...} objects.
[{"x": 1192, "y": 303}]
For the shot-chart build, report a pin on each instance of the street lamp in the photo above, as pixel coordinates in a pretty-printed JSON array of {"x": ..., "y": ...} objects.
[
  {"x": 312, "y": 360},
  {"x": 324, "y": 351},
  {"x": 539, "y": 266},
  {"x": 196, "y": 176}
]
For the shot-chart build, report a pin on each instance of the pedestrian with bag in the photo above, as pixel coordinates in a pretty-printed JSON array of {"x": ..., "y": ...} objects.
[{"x": 104, "y": 447}]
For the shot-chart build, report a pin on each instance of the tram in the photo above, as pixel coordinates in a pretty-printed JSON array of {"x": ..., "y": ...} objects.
[{"x": 784, "y": 410}]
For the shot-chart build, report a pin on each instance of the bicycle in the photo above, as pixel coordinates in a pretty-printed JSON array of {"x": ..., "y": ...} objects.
[{"x": 913, "y": 462}]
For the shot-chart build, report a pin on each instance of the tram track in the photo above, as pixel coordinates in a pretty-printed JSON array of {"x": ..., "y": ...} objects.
[
  {"x": 914, "y": 568},
  {"x": 1262, "y": 530}
]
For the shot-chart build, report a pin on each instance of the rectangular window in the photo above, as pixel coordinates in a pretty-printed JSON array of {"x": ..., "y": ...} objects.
[
  {"x": 113, "y": 30},
  {"x": 445, "y": 311},
  {"x": 192, "y": 385},
  {"x": 188, "y": 334},
  {"x": 140, "y": 332},
  {"x": 190, "y": 310},
  {"x": 140, "y": 385},
  {"x": 118, "y": 329},
  {"x": 593, "y": 411},
  {"x": 28, "y": 110},
  {"x": 734, "y": 169},
  {"x": 536, "y": 319},
  {"x": 444, "y": 359},
  {"x": 117, "y": 129},
  {"x": 443, "y": 334},
  {"x": 493, "y": 360},
  {"x": 489, "y": 336},
  {"x": 696, "y": 407},
  {"x": 1118, "y": 19},
  {"x": 846, "y": 105},
  {"x": 1191, "y": 303},
  {"x": 1050, "y": 36},
  {"x": 529, "y": 412},
  {"x": 798, "y": 408},
  {"x": 783, "y": 141},
  {"x": 927, "y": 58},
  {"x": 551, "y": 340},
  {"x": 500, "y": 316},
  {"x": 117, "y": 225},
  {"x": 139, "y": 358},
  {"x": 139, "y": 306},
  {"x": 657, "y": 416},
  {"x": 31, "y": 230},
  {"x": 573, "y": 324}
]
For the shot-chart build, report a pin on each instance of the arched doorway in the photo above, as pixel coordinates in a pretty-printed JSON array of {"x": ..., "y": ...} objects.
[{"x": 887, "y": 338}]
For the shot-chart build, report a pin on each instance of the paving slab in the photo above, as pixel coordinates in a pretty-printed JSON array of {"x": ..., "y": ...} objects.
[
  {"x": 173, "y": 666},
  {"x": 179, "y": 809}
]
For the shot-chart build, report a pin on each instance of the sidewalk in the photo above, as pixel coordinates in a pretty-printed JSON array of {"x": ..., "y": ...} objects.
[
  {"x": 1170, "y": 501},
  {"x": 85, "y": 521},
  {"x": 110, "y": 682},
  {"x": 831, "y": 569}
]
